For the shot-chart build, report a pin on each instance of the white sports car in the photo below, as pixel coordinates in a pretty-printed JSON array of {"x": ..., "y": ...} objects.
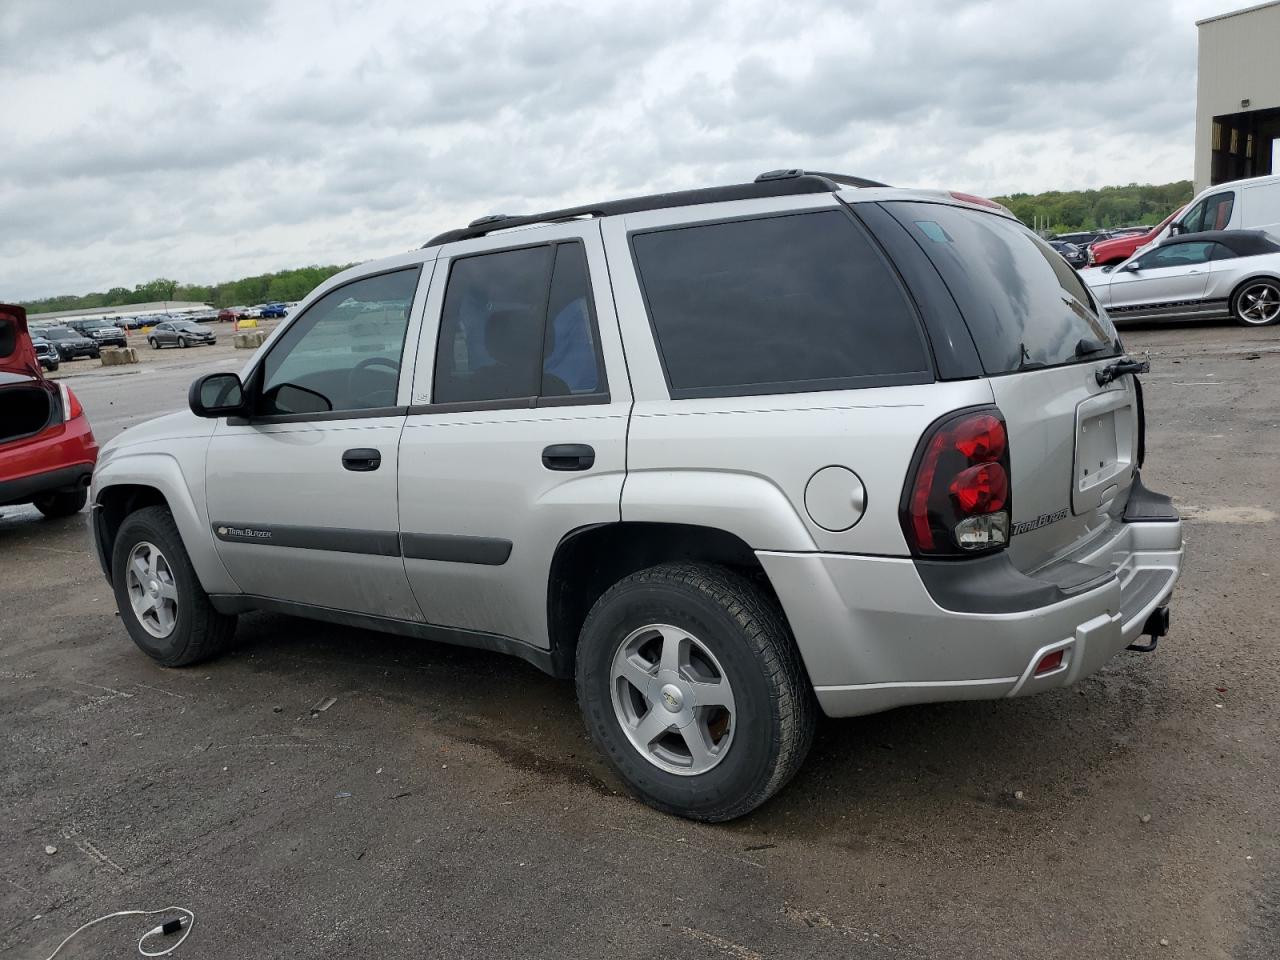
[{"x": 1208, "y": 275}]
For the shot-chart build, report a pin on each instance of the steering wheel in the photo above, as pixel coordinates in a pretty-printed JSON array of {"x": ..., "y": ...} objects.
[{"x": 374, "y": 398}]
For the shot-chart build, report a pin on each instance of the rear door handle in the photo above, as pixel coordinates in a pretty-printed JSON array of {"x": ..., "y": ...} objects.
[
  {"x": 568, "y": 456},
  {"x": 362, "y": 459}
]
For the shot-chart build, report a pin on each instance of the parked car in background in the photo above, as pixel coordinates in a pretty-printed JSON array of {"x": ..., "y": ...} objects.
[
  {"x": 1081, "y": 238},
  {"x": 1114, "y": 250},
  {"x": 251, "y": 313},
  {"x": 1071, "y": 253},
  {"x": 1209, "y": 275},
  {"x": 203, "y": 316},
  {"x": 45, "y": 353},
  {"x": 70, "y": 344},
  {"x": 274, "y": 310},
  {"x": 47, "y": 449},
  {"x": 180, "y": 333},
  {"x": 103, "y": 332},
  {"x": 729, "y": 457},
  {"x": 227, "y": 315}
]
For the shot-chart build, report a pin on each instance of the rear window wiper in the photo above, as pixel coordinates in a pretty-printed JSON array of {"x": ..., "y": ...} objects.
[{"x": 1025, "y": 362}]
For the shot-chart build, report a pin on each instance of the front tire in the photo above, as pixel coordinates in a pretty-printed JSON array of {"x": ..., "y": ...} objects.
[
  {"x": 61, "y": 503},
  {"x": 692, "y": 687},
  {"x": 155, "y": 344},
  {"x": 1257, "y": 303},
  {"x": 182, "y": 342},
  {"x": 161, "y": 602}
]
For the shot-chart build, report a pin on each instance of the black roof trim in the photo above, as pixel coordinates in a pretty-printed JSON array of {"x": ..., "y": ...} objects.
[{"x": 776, "y": 183}]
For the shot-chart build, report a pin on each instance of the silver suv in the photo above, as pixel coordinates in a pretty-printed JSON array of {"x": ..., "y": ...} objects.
[{"x": 725, "y": 457}]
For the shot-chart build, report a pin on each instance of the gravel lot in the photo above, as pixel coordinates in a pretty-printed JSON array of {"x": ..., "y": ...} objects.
[{"x": 448, "y": 803}]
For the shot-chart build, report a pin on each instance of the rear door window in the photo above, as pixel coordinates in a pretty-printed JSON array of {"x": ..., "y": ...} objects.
[
  {"x": 1024, "y": 305},
  {"x": 518, "y": 325},
  {"x": 776, "y": 305}
]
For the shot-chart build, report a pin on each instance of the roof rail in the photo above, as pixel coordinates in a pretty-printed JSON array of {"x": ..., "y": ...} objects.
[{"x": 775, "y": 183}]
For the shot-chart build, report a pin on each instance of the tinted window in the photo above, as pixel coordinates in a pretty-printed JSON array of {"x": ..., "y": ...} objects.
[
  {"x": 1024, "y": 305},
  {"x": 778, "y": 304},
  {"x": 518, "y": 324},
  {"x": 343, "y": 353},
  {"x": 571, "y": 362},
  {"x": 1177, "y": 255}
]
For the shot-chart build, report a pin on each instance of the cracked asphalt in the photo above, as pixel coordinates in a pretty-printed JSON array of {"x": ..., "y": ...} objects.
[{"x": 448, "y": 803}]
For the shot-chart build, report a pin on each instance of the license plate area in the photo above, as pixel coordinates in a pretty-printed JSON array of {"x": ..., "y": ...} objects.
[{"x": 1105, "y": 437}]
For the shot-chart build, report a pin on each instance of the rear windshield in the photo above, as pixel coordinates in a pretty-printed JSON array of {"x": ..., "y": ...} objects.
[
  {"x": 777, "y": 305},
  {"x": 1025, "y": 306}
]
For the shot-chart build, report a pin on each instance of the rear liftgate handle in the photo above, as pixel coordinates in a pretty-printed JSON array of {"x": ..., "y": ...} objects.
[
  {"x": 362, "y": 459},
  {"x": 568, "y": 456}
]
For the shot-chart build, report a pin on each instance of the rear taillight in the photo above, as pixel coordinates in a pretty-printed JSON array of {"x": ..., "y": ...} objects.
[
  {"x": 957, "y": 498},
  {"x": 70, "y": 403}
]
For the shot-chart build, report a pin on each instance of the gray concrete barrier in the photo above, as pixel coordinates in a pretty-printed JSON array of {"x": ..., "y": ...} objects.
[
  {"x": 115, "y": 356},
  {"x": 250, "y": 341}
]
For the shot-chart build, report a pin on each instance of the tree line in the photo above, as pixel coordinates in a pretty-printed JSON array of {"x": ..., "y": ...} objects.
[
  {"x": 287, "y": 286},
  {"x": 1062, "y": 211}
]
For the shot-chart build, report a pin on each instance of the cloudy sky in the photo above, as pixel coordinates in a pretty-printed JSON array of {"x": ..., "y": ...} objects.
[{"x": 208, "y": 141}]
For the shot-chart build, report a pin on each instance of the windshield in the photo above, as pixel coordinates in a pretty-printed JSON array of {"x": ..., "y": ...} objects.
[
  {"x": 1025, "y": 306},
  {"x": 60, "y": 333},
  {"x": 185, "y": 325}
]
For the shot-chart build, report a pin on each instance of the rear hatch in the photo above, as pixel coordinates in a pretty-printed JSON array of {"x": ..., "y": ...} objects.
[
  {"x": 1042, "y": 340},
  {"x": 17, "y": 355}
]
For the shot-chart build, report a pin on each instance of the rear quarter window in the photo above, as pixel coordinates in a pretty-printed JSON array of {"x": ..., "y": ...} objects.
[
  {"x": 1023, "y": 303},
  {"x": 777, "y": 305}
]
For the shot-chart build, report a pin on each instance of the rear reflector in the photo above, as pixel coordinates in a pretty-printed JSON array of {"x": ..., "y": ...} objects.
[{"x": 1049, "y": 662}]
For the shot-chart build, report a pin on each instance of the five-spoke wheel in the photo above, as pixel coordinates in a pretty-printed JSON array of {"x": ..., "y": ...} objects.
[
  {"x": 1257, "y": 304},
  {"x": 672, "y": 699},
  {"x": 152, "y": 591}
]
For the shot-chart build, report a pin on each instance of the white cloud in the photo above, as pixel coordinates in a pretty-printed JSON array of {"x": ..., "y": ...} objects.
[{"x": 203, "y": 142}]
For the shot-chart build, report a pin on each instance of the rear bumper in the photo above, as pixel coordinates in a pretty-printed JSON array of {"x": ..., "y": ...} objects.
[
  {"x": 25, "y": 489},
  {"x": 874, "y": 637},
  {"x": 60, "y": 458}
]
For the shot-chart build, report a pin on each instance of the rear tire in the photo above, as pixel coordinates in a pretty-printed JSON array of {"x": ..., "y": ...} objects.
[
  {"x": 1257, "y": 302},
  {"x": 733, "y": 651},
  {"x": 61, "y": 503},
  {"x": 195, "y": 631}
]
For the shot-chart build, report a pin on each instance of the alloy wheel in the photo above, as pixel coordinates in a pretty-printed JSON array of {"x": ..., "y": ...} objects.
[
  {"x": 672, "y": 699},
  {"x": 1259, "y": 304},
  {"x": 152, "y": 590}
]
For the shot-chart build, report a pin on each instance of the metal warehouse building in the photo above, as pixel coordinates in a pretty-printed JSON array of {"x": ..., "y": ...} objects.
[{"x": 1238, "y": 95}]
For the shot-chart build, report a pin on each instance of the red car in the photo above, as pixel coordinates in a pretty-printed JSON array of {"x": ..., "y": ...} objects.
[
  {"x": 47, "y": 450},
  {"x": 1119, "y": 249}
]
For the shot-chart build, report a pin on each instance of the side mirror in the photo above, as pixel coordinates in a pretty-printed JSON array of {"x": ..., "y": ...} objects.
[
  {"x": 216, "y": 395},
  {"x": 1176, "y": 228},
  {"x": 1131, "y": 267}
]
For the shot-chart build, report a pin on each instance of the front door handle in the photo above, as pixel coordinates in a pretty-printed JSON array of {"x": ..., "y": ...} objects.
[
  {"x": 362, "y": 459},
  {"x": 568, "y": 456}
]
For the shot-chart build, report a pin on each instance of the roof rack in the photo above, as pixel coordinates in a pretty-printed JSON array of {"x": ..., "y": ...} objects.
[{"x": 774, "y": 183}]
